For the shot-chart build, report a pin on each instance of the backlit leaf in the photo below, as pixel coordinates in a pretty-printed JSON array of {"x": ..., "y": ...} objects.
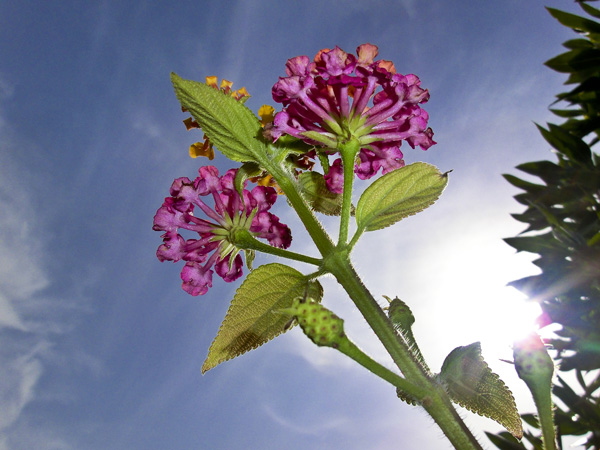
[
  {"x": 252, "y": 318},
  {"x": 321, "y": 199},
  {"x": 471, "y": 383},
  {"x": 399, "y": 194}
]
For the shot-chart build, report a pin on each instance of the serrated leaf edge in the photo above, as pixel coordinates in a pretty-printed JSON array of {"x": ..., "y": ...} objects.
[{"x": 228, "y": 358}]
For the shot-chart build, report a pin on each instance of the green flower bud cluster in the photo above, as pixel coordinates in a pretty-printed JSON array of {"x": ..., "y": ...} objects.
[{"x": 321, "y": 325}]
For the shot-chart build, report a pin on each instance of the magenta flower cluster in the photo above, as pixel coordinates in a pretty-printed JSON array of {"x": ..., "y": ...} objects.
[
  {"x": 339, "y": 96},
  {"x": 215, "y": 246}
]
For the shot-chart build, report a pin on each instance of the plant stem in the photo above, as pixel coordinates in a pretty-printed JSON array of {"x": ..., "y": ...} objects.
[
  {"x": 336, "y": 261},
  {"x": 437, "y": 404},
  {"x": 355, "y": 238},
  {"x": 244, "y": 240},
  {"x": 348, "y": 150},
  {"x": 543, "y": 403},
  {"x": 313, "y": 226},
  {"x": 348, "y": 348}
]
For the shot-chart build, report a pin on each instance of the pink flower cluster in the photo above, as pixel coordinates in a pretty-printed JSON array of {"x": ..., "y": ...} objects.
[
  {"x": 214, "y": 247},
  {"x": 338, "y": 96}
]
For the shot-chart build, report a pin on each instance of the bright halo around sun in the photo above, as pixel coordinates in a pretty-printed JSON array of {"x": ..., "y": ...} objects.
[{"x": 473, "y": 302}]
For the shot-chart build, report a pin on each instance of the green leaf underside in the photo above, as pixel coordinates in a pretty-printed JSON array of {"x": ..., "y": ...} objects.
[
  {"x": 318, "y": 196},
  {"x": 252, "y": 318},
  {"x": 471, "y": 383},
  {"x": 399, "y": 194},
  {"x": 403, "y": 319},
  {"x": 231, "y": 126}
]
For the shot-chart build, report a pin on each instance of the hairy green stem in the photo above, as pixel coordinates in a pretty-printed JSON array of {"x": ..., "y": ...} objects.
[
  {"x": 437, "y": 404},
  {"x": 312, "y": 224},
  {"x": 348, "y": 348},
  {"x": 355, "y": 238},
  {"x": 243, "y": 239},
  {"x": 348, "y": 150}
]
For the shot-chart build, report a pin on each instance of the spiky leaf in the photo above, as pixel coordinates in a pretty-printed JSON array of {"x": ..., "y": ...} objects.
[
  {"x": 252, "y": 318},
  {"x": 472, "y": 384}
]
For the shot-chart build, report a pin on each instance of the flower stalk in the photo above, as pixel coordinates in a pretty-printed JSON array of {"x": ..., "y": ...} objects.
[{"x": 348, "y": 150}]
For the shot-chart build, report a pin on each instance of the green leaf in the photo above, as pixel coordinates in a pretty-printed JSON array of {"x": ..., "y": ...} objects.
[
  {"x": 248, "y": 170},
  {"x": 546, "y": 170},
  {"x": 321, "y": 199},
  {"x": 525, "y": 185},
  {"x": 533, "y": 217},
  {"x": 534, "y": 244},
  {"x": 252, "y": 318},
  {"x": 505, "y": 441},
  {"x": 402, "y": 318},
  {"x": 249, "y": 257},
  {"x": 567, "y": 112},
  {"x": 574, "y": 21},
  {"x": 399, "y": 194},
  {"x": 577, "y": 147},
  {"x": 230, "y": 125},
  {"x": 590, "y": 10},
  {"x": 569, "y": 145},
  {"x": 324, "y": 160},
  {"x": 531, "y": 420},
  {"x": 576, "y": 60},
  {"x": 471, "y": 383},
  {"x": 577, "y": 43},
  {"x": 535, "y": 441}
]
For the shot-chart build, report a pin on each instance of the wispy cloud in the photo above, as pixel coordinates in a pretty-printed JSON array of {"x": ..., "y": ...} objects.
[
  {"x": 30, "y": 320},
  {"x": 20, "y": 278},
  {"x": 305, "y": 427}
]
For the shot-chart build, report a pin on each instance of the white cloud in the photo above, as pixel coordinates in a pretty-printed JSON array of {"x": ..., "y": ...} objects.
[
  {"x": 305, "y": 427},
  {"x": 21, "y": 278},
  {"x": 8, "y": 316},
  {"x": 19, "y": 377},
  {"x": 29, "y": 320}
]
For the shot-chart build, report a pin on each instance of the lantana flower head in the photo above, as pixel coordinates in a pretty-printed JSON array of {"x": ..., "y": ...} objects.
[
  {"x": 338, "y": 96},
  {"x": 215, "y": 246}
]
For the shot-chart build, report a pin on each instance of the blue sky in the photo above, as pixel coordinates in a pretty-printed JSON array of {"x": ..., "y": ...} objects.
[{"x": 99, "y": 346}]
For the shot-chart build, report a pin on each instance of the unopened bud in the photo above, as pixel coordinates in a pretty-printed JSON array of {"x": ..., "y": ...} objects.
[
  {"x": 321, "y": 325},
  {"x": 532, "y": 361}
]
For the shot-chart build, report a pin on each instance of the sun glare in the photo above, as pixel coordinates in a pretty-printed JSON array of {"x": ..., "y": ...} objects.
[{"x": 476, "y": 303}]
